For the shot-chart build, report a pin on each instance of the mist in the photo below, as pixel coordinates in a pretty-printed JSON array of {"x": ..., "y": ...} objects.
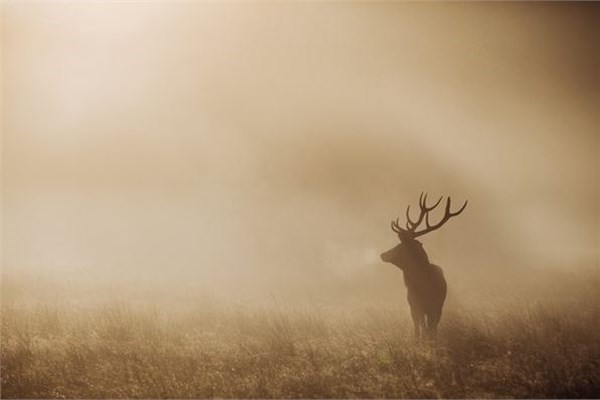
[{"x": 239, "y": 149}]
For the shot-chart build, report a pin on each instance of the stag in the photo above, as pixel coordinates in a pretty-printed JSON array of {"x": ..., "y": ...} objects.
[{"x": 424, "y": 281}]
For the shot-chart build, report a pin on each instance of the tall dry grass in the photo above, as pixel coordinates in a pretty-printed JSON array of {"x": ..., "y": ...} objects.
[{"x": 117, "y": 350}]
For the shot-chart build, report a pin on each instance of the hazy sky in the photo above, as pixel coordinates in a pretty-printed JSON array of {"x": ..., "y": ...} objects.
[{"x": 253, "y": 143}]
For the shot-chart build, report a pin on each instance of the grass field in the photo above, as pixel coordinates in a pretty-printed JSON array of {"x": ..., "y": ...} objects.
[{"x": 118, "y": 350}]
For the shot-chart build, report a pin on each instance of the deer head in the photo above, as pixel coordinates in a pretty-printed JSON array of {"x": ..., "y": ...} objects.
[{"x": 410, "y": 251}]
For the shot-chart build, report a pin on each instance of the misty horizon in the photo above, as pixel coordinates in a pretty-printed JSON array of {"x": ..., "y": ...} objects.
[{"x": 188, "y": 142}]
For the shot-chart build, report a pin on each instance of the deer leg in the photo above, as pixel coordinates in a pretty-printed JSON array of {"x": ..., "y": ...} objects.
[
  {"x": 418, "y": 320},
  {"x": 432, "y": 322}
]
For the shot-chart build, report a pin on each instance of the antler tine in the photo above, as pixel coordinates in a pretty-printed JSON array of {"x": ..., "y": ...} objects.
[
  {"x": 447, "y": 215},
  {"x": 453, "y": 214},
  {"x": 435, "y": 205},
  {"x": 395, "y": 226},
  {"x": 410, "y": 225},
  {"x": 447, "y": 212}
]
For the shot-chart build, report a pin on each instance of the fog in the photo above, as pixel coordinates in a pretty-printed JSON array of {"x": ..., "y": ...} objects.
[{"x": 262, "y": 149}]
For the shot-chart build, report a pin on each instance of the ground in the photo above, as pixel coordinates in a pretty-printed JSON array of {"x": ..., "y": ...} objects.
[{"x": 543, "y": 349}]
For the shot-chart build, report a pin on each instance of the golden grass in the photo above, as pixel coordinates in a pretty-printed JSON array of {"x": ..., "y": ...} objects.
[{"x": 123, "y": 351}]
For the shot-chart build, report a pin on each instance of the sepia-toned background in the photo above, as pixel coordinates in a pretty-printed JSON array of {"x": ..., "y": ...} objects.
[
  {"x": 246, "y": 148},
  {"x": 195, "y": 197}
]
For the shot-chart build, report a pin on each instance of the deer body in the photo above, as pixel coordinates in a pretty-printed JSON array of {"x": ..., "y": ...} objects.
[{"x": 425, "y": 282}]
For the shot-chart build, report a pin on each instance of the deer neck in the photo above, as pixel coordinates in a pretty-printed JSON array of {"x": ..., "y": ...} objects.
[{"x": 417, "y": 256}]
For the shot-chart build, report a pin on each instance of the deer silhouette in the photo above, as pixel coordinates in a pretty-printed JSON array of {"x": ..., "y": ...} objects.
[{"x": 424, "y": 281}]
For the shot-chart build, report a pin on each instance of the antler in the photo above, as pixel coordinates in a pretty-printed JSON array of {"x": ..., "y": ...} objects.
[{"x": 411, "y": 227}]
